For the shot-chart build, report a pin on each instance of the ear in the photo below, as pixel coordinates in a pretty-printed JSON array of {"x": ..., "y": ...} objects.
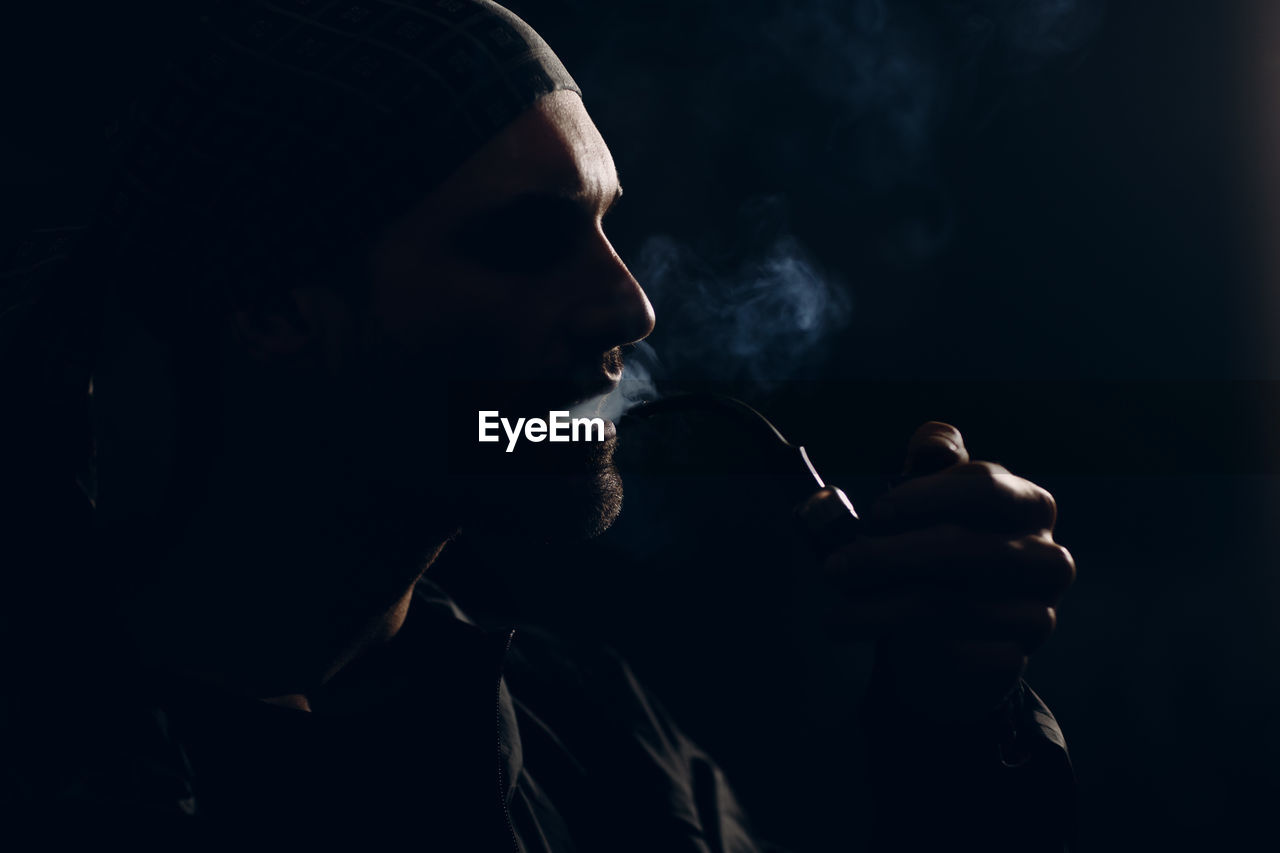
[
  {"x": 271, "y": 328},
  {"x": 301, "y": 322},
  {"x": 135, "y": 416}
]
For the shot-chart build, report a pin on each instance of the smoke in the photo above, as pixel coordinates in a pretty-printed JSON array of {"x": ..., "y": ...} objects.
[
  {"x": 884, "y": 85},
  {"x": 753, "y": 320},
  {"x": 1042, "y": 31},
  {"x": 763, "y": 320},
  {"x": 751, "y": 323},
  {"x": 849, "y": 105},
  {"x": 894, "y": 77},
  {"x": 900, "y": 68},
  {"x": 637, "y": 385}
]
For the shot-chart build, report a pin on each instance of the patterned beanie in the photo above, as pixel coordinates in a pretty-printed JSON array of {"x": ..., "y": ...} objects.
[{"x": 294, "y": 129}]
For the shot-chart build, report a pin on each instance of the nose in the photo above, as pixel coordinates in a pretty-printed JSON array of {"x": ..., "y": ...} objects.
[{"x": 612, "y": 310}]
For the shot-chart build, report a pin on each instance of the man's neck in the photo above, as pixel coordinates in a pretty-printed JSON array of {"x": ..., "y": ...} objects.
[
  {"x": 271, "y": 596},
  {"x": 387, "y": 630}
]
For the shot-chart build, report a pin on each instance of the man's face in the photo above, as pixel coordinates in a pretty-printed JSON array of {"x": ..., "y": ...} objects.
[{"x": 499, "y": 292}]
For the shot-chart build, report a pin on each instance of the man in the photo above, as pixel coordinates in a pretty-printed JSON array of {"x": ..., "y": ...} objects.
[{"x": 339, "y": 232}]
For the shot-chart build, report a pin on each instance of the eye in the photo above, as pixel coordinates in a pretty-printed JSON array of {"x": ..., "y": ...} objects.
[
  {"x": 613, "y": 205},
  {"x": 530, "y": 237}
]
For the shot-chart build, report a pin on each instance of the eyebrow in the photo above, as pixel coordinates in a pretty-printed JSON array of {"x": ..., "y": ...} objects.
[{"x": 538, "y": 198}]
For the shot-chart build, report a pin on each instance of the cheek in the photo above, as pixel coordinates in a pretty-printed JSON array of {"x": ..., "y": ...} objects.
[
  {"x": 388, "y": 412},
  {"x": 464, "y": 323}
]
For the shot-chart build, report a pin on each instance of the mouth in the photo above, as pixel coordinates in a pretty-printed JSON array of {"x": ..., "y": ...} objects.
[
  {"x": 590, "y": 401},
  {"x": 595, "y": 393}
]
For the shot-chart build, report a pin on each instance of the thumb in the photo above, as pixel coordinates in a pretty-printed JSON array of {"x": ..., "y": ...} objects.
[{"x": 933, "y": 447}]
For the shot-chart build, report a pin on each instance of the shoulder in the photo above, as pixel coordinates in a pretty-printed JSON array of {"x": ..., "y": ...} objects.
[
  {"x": 594, "y": 742},
  {"x": 612, "y": 749},
  {"x": 70, "y": 774}
]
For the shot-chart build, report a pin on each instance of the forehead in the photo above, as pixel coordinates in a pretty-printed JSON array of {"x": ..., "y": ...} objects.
[{"x": 554, "y": 147}]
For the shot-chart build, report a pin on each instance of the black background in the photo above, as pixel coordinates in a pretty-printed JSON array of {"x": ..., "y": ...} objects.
[{"x": 1042, "y": 224}]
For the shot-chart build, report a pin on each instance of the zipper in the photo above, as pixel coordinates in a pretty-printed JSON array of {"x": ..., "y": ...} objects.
[{"x": 502, "y": 764}]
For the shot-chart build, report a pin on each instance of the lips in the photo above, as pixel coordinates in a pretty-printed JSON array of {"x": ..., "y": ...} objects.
[
  {"x": 579, "y": 392},
  {"x": 594, "y": 393}
]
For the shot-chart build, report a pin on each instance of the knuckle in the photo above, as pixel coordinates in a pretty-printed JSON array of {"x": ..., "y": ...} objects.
[
  {"x": 1047, "y": 505},
  {"x": 1042, "y": 625},
  {"x": 937, "y": 427},
  {"x": 1059, "y": 566},
  {"x": 939, "y": 431},
  {"x": 996, "y": 484},
  {"x": 1008, "y": 566},
  {"x": 953, "y": 538},
  {"x": 1066, "y": 565},
  {"x": 985, "y": 471},
  {"x": 837, "y": 564},
  {"x": 1007, "y": 657},
  {"x": 997, "y": 472},
  {"x": 1043, "y": 563}
]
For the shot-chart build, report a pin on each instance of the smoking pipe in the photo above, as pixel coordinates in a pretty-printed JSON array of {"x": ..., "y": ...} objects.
[{"x": 827, "y": 516}]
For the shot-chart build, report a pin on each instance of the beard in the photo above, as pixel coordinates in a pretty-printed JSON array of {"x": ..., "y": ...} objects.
[
  {"x": 409, "y": 419},
  {"x": 544, "y": 490},
  {"x": 580, "y": 499},
  {"x": 421, "y": 456}
]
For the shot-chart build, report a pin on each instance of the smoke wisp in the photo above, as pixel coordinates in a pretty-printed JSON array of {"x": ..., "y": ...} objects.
[{"x": 763, "y": 320}]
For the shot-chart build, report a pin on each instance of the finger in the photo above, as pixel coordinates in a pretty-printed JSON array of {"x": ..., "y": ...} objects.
[
  {"x": 955, "y": 558},
  {"x": 988, "y": 656},
  {"x": 955, "y": 678},
  {"x": 985, "y": 668},
  {"x": 1026, "y": 624},
  {"x": 932, "y": 448},
  {"x": 879, "y": 615},
  {"x": 980, "y": 494},
  {"x": 942, "y": 618}
]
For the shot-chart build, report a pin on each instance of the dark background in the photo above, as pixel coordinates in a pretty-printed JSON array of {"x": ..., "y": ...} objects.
[{"x": 1031, "y": 219}]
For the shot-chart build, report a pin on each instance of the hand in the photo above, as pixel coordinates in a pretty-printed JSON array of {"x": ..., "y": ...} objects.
[{"x": 958, "y": 582}]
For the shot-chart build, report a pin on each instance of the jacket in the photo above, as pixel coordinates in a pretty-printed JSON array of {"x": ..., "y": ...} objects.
[{"x": 473, "y": 739}]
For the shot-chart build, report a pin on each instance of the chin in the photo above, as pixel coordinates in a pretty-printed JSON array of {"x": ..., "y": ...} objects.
[{"x": 572, "y": 495}]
